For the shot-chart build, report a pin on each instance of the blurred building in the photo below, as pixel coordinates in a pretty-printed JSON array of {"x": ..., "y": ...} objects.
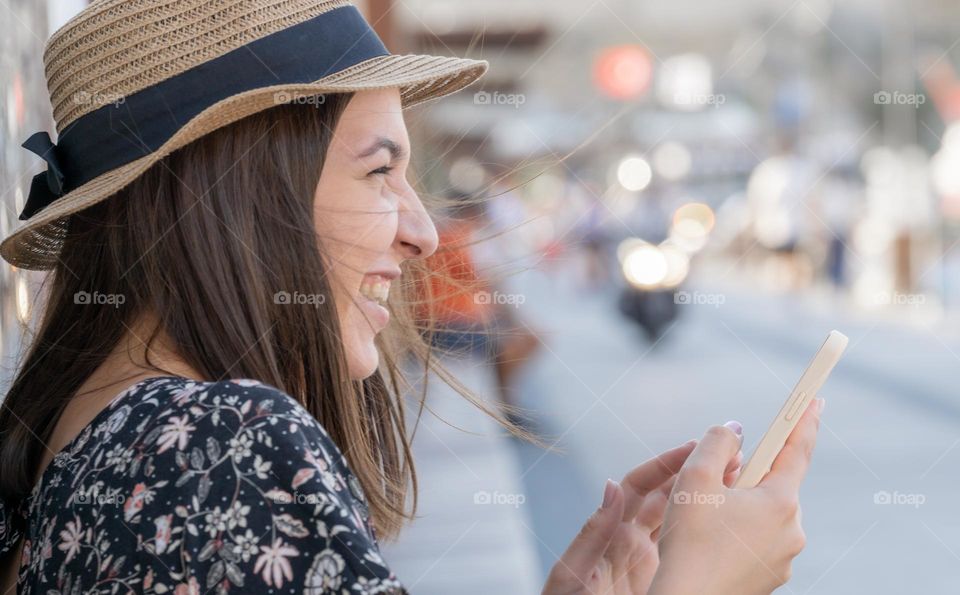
[
  {"x": 25, "y": 110},
  {"x": 850, "y": 86}
]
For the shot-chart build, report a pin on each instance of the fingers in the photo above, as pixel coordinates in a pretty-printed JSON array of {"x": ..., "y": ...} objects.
[
  {"x": 790, "y": 466},
  {"x": 588, "y": 547},
  {"x": 650, "y": 475},
  {"x": 654, "y": 505},
  {"x": 711, "y": 458},
  {"x": 733, "y": 469}
]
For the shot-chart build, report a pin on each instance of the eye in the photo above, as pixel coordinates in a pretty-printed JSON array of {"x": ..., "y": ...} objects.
[{"x": 386, "y": 169}]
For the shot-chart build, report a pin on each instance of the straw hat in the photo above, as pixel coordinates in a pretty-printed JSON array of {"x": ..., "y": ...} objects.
[{"x": 131, "y": 81}]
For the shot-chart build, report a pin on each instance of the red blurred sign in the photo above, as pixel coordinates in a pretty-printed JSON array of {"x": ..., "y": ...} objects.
[{"x": 623, "y": 72}]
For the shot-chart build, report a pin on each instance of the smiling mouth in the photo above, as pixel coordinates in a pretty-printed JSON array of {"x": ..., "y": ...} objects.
[{"x": 375, "y": 288}]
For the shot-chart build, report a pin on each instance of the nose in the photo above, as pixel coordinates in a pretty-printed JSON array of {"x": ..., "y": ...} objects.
[{"x": 416, "y": 233}]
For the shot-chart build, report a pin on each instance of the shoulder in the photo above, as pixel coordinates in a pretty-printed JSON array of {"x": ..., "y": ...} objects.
[
  {"x": 233, "y": 415},
  {"x": 250, "y": 429},
  {"x": 246, "y": 490}
]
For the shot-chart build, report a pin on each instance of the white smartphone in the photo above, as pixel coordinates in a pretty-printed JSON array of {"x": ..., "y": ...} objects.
[{"x": 792, "y": 410}]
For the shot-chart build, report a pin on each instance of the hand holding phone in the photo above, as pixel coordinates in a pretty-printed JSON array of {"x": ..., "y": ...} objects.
[
  {"x": 805, "y": 391},
  {"x": 712, "y": 537}
]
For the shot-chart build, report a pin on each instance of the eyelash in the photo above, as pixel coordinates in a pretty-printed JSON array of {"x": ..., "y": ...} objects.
[{"x": 386, "y": 169}]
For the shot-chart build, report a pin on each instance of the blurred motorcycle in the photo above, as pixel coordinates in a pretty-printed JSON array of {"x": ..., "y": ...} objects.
[{"x": 651, "y": 274}]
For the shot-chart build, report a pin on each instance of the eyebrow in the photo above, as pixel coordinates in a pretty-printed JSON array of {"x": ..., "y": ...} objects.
[{"x": 396, "y": 151}]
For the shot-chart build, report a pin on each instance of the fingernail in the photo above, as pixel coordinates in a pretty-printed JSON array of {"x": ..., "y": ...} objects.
[
  {"x": 822, "y": 403},
  {"x": 608, "y": 491},
  {"x": 735, "y": 426}
]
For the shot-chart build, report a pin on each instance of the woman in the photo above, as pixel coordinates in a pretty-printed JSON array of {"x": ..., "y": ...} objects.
[{"x": 211, "y": 399}]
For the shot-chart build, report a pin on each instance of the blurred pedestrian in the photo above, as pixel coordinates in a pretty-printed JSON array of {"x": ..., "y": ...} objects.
[{"x": 473, "y": 315}]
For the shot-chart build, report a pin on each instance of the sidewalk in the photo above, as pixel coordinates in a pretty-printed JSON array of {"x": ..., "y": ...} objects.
[{"x": 472, "y": 534}]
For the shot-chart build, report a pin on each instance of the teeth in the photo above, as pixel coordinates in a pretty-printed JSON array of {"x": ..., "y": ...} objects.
[{"x": 377, "y": 291}]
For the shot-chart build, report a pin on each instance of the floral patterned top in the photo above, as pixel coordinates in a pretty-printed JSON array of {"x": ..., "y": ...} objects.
[{"x": 191, "y": 488}]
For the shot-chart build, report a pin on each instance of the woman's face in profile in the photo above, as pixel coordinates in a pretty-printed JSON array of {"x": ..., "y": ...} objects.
[{"x": 369, "y": 218}]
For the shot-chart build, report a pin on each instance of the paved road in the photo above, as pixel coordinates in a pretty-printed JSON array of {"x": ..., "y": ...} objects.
[
  {"x": 891, "y": 429},
  {"x": 473, "y": 534}
]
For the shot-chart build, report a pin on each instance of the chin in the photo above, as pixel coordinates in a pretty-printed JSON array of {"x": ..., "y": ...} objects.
[{"x": 363, "y": 362}]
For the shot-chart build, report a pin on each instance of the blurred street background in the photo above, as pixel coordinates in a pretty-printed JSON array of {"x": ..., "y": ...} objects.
[{"x": 685, "y": 197}]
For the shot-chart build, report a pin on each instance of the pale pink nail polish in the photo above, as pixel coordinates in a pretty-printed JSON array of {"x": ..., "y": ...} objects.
[
  {"x": 608, "y": 492},
  {"x": 735, "y": 426}
]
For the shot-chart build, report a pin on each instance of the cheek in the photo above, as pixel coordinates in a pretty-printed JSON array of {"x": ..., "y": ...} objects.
[
  {"x": 373, "y": 229},
  {"x": 366, "y": 226},
  {"x": 361, "y": 246},
  {"x": 355, "y": 235},
  {"x": 356, "y": 246}
]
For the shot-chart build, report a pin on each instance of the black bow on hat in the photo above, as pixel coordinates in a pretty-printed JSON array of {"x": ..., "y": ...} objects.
[{"x": 47, "y": 186}]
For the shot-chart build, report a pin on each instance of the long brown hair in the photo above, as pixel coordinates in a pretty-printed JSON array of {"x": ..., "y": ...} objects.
[{"x": 204, "y": 240}]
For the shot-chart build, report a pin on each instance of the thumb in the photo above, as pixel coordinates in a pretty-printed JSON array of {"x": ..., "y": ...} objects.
[
  {"x": 588, "y": 547},
  {"x": 714, "y": 452}
]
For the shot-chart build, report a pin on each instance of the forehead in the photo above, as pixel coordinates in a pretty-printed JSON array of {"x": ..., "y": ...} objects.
[{"x": 369, "y": 115}]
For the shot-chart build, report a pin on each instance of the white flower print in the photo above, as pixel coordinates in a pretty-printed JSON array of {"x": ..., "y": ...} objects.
[
  {"x": 119, "y": 457},
  {"x": 274, "y": 563},
  {"x": 245, "y": 545},
  {"x": 325, "y": 572},
  {"x": 176, "y": 432},
  {"x": 216, "y": 521},
  {"x": 71, "y": 538},
  {"x": 239, "y": 447},
  {"x": 186, "y": 488},
  {"x": 237, "y": 515}
]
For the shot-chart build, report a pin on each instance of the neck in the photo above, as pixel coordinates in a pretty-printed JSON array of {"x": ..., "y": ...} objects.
[{"x": 133, "y": 359}]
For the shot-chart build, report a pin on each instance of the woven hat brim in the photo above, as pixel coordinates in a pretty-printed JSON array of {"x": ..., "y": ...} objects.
[{"x": 420, "y": 78}]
